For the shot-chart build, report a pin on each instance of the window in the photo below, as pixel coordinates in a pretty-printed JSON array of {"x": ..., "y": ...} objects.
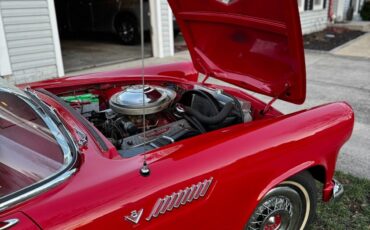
[
  {"x": 29, "y": 150},
  {"x": 314, "y": 4},
  {"x": 318, "y": 5}
]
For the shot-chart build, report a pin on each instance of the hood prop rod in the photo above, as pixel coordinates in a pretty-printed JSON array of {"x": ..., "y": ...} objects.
[{"x": 269, "y": 105}]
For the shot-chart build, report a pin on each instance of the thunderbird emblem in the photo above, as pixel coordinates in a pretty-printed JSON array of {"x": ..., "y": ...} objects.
[{"x": 135, "y": 216}]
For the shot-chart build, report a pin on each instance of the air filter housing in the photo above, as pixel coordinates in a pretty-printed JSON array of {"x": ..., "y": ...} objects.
[{"x": 130, "y": 100}]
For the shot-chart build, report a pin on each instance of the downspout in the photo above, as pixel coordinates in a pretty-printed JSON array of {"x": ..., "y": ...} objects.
[{"x": 331, "y": 15}]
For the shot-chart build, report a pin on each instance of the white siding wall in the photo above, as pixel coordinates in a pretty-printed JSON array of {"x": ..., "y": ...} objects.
[
  {"x": 167, "y": 28},
  {"x": 30, "y": 40},
  {"x": 314, "y": 20},
  {"x": 162, "y": 26}
]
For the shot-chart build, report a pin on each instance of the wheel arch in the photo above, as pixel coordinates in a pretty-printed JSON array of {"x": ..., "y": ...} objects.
[{"x": 318, "y": 172}]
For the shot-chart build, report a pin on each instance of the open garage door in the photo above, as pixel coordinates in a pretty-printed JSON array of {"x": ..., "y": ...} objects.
[{"x": 101, "y": 32}]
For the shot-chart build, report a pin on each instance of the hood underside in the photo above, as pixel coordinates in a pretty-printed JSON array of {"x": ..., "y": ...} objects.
[{"x": 256, "y": 45}]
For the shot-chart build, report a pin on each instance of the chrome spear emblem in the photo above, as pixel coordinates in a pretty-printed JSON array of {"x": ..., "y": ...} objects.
[
  {"x": 226, "y": 2},
  {"x": 135, "y": 216}
]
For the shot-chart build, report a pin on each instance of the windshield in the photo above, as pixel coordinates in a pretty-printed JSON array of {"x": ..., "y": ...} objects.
[{"x": 31, "y": 148}]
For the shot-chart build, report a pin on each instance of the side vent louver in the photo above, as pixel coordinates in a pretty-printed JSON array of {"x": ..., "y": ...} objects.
[{"x": 180, "y": 198}]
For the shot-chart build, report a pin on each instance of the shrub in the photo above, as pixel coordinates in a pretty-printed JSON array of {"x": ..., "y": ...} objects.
[{"x": 365, "y": 11}]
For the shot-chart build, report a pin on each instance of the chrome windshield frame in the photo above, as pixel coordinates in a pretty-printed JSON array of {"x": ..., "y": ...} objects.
[{"x": 69, "y": 150}]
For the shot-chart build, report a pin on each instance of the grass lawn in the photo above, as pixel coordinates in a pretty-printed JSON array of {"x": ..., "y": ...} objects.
[{"x": 352, "y": 211}]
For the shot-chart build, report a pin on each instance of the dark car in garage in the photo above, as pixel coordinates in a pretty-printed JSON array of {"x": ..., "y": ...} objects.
[{"x": 121, "y": 17}]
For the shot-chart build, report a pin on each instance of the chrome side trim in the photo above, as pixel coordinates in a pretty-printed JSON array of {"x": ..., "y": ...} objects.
[
  {"x": 180, "y": 198},
  {"x": 9, "y": 223},
  {"x": 338, "y": 190},
  {"x": 37, "y": 190}
]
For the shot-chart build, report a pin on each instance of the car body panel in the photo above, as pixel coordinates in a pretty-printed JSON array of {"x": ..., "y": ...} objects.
[
  {"x": 183, "y": 71},
  {"x": 246, "y": 43},
  {"x": 105, "y": 190},
  {"x": 243, "y": 161}
]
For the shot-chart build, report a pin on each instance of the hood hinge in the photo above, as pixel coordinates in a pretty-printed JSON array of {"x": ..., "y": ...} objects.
[{"x": 268, "y": 105}]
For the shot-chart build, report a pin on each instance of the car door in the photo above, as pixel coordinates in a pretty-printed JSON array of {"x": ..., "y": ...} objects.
[{"x": 17, "y": 221}]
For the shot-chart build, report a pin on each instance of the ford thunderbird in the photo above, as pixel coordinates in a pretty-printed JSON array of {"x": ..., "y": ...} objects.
[{"x": 163, "y": 148}]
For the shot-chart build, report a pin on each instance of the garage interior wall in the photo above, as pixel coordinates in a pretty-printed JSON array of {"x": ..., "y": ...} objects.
[{"x": 32, "y": 39}]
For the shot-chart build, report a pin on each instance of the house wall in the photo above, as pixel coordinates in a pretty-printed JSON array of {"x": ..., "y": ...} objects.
[
  {"x": 314, "y": 20},
  {"x": 32, "y": 40},
  {"x": 167, "y": 28}
]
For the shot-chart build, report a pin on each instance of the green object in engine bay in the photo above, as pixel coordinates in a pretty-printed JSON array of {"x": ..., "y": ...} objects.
[{"x": 83, "y": 98}]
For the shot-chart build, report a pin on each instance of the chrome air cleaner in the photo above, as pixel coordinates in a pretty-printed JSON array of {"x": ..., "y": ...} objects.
[{"x": 130, "y": 100}]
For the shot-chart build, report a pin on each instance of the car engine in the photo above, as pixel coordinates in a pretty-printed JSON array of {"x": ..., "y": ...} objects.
[{"x": 170, "y": 116}]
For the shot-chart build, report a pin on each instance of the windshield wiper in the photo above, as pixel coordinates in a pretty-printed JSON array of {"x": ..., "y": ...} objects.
[{"x": 45, "y": 109}]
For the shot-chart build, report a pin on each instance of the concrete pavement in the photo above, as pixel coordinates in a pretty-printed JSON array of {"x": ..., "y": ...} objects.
[
  {"x": 336, "y": 78},
  {"x": 329, "y": 78},
  {"x": 359, "y": 47},
  {"x": 85, "y": 54}
]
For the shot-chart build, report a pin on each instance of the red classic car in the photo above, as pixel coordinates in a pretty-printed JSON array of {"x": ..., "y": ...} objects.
[{"x": 104, "y": 151}]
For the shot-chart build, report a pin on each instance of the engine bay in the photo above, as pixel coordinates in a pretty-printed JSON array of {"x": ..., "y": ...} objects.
[{"x": 137, "y": 119}]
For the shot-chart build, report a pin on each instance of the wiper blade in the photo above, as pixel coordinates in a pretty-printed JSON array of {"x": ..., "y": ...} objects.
[{"x": 45, "y": 109}]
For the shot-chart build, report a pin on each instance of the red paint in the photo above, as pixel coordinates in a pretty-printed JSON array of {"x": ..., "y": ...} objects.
[
  {"x": 105, "y": 189},
  {"x": 247, "y": 43},
  {"x": 245, "y": 160}
]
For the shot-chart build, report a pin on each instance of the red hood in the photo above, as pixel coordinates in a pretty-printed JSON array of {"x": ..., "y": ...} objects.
[{"x": 256, "y": 45}]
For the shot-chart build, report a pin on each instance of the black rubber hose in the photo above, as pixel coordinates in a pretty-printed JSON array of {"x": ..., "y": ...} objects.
[
  {"x": 211, "y": 120},
  {"x": 238, "y": 107},
  {"x": 187, "y": 98},
  {"x": 195, "y": 123}
]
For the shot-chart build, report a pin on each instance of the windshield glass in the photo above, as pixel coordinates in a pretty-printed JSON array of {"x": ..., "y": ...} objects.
[{"x": 29, "y": 149}]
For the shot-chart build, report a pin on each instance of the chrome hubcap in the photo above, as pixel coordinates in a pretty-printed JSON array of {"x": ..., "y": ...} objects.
[
  {"x": 271, "y": 220},
  {"x": 273, "y": 223}
]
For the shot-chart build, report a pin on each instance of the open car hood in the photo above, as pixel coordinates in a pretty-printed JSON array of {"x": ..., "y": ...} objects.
[{"x": 256, "y": 45}]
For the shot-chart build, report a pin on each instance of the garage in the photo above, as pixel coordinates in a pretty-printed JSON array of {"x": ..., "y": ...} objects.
[
  {"x": 96, "y": 32},
  {"x": 43, "y": 39}
]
